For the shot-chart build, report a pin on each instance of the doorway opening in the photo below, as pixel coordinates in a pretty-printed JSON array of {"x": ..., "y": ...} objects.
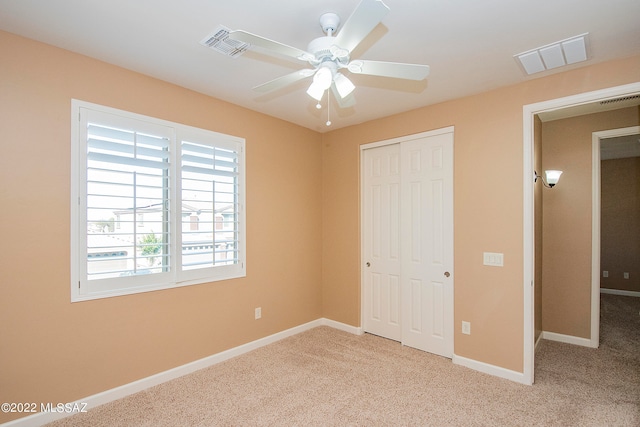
[
  {"x": 606, "y": 145},
  {"x": 569, "y": 106}
]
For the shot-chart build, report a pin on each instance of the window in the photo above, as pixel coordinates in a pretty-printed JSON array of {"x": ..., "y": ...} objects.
[{"x": 155, "y": 204}]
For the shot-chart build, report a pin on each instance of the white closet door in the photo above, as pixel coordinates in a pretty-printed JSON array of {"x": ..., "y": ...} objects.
[
  {"x": 381, "y": 218},
  {"x": 427, "y": 243},
  {"x": 407, "y": 215}
]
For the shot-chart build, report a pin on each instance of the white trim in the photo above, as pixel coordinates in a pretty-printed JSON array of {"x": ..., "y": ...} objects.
[
  {"x": 538, "y": 341},
  {"x": 528, "y": 307},
  {"x": 529, "y": 112},
  {"x": 179, "y": 371},
  {"x": 569, "y": 339},
  {"x": 440, "y": 131},
  {"x": 614, "y": 133},
  {"x": 595, "y": 241},
  {"x": 486, "y": 368},
  {"x": 342, "y": 326},
  {"x": 620, "y": 292}
]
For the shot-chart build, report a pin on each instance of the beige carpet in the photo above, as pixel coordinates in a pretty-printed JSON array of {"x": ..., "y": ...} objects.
[{"x": 326, "y": 377}]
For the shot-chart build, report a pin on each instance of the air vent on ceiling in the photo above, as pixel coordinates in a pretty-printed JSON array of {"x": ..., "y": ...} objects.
[
  {"x": 554, "y": 55},
  {"x": 219, "y": 41},
  {"x": 624, "y": 98}
]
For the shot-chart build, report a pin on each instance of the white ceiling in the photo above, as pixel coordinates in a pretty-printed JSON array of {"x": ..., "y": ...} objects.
[{"x": 469, "y": 44}]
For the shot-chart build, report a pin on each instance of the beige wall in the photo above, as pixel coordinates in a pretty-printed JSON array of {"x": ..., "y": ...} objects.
[
  {"x": 302, "y": 224},
  {"x": 620, "y": 223},
  {"x": 55, "y": 351},
  {"x": 566, "y": 255},
  {"x": 488, "y": 205}
]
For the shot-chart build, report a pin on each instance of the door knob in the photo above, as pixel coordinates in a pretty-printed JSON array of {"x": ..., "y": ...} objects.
[{"x": 447, "y": 274}]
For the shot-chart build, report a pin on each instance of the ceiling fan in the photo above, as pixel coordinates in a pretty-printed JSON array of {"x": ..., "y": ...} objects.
[{"x": 329, "y": 55}]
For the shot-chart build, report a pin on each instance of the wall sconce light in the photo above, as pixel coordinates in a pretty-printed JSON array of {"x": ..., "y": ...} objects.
[{"x": 553, "y": 176}]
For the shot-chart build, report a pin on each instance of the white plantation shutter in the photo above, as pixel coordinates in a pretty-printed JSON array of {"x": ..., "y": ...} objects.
[
  {"x": 144, "y": 220},
  {"x": 127, "y": 177},
  {"x": 126, "y": 209},
  {"x": 210, "y": 187}
]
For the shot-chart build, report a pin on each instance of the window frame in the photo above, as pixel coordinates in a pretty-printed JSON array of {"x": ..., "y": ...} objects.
[{"x": 83, "y": 289}]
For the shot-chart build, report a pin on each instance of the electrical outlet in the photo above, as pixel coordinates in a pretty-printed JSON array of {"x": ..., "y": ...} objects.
[
  {"x": 626, "y": 275},
  {"x": 605, "y": 273},
  {"x": 466, "y": 328},
  {"x": 258, "y": 313}
]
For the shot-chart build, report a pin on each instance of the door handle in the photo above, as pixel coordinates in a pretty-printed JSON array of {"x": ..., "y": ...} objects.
[
  {"x": 447, "y": 274},
  {"x": 368, "y": 264}
]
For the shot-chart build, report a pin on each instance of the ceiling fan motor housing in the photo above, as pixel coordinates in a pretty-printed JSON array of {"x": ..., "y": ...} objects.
[
  {"x": 324, "y": 48},
  {"x": 321, "y": 48},
  {"x": 329, "y": 22}
]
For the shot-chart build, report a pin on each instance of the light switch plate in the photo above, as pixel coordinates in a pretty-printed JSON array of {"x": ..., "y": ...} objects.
[{"x": 493, "y": 259}]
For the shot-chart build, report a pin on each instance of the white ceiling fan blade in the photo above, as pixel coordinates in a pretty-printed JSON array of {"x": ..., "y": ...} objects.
[
  {"x": 347, "y": 101},
  {"x": 362, "y": 21},
  {"x": 389, "y": 69},
  {"x": 284, "y": 80},
  {"x": 271, "y": 45}
]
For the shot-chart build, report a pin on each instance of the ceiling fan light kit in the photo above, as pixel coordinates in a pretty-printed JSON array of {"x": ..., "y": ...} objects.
[
  {"x": 344, "y": 86},
  {"x": 330, "y": 54},
  {"x": 321, "y": 82}
]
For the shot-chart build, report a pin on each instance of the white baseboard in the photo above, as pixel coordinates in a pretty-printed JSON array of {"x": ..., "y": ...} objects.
[
  {"x": 569, "y": 339},
  {"x": 620, "y": 292},
  {"x": 486, "y": 368},
  {"x": 145, "y": 383},
  {"x": 535, "y": 347},
  {"x": 342, "y": 326}
]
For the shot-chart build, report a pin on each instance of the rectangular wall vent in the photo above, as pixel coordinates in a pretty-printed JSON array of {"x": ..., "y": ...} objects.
[
  {"x": 623, "y": 99},
  {"x": 219, "y": 41}
]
